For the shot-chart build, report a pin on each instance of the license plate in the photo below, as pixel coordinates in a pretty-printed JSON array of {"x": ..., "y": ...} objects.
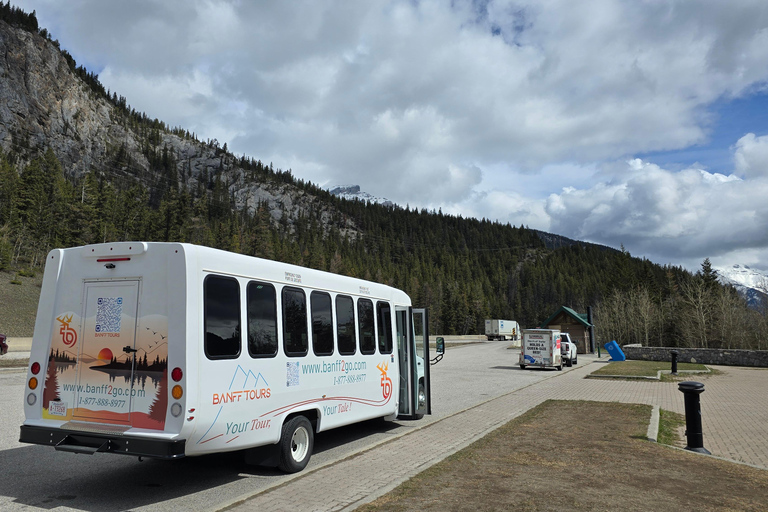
[{"x": 57, "y": 408}]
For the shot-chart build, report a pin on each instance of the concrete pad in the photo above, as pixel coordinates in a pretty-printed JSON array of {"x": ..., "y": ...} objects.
[{"x": 19, "y": 344}]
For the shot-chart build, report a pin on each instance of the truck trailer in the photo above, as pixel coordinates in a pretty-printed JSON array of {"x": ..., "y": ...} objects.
[
  {"x": 541, "y": 348},
  {"x": 501, "y": 330}
]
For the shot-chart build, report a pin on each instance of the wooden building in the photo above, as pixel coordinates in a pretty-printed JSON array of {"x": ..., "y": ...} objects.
[{"x": 575, "y": 324}]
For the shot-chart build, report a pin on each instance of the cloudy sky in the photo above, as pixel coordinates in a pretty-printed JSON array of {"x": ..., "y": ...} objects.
[{"x": 642, "y": 123}]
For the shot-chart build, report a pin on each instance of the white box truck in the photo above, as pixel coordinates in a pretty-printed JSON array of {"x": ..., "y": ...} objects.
[
  {"x": 501, "y": 330},
  {"x": 541, "y": 348}
]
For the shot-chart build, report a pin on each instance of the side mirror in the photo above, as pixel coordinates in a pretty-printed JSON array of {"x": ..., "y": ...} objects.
[{"x": 440, "y": 345}]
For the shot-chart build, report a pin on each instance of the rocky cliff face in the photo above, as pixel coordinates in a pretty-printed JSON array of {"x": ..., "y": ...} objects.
[{"x": 44, "y": 104}]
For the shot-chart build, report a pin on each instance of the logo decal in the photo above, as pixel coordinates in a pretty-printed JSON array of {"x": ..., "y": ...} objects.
[
  {"x": 68, "y": 334},
  {"x": 386, "y": 382}
]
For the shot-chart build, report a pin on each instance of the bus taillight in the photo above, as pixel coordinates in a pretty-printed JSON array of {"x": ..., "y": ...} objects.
[
  {"x": 35, "y": 368},
  {"x": 177, "y": 374}
]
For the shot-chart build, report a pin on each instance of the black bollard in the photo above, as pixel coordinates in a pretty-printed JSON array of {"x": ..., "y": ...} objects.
[
  {"x": 674, "y": 361},
  {"x": 693, "y": 430}
]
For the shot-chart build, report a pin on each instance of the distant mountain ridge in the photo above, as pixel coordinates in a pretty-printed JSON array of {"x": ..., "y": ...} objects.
[
  {"x": 752, "y": 284},
  {"x": 353, "y": 192}
]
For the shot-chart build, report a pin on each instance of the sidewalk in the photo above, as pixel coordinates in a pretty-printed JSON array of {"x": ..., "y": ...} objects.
[{"x": 734, "y": 409}]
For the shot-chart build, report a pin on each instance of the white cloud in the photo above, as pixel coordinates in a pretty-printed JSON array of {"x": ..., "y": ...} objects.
[
  {"x": 506, "y": 207},
  {"x": 751, "y": 157},
  {"x": 668, "y": 216}
]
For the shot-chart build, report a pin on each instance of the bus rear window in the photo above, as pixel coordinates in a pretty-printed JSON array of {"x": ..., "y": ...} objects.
[
  {"x": 262, "y": 320},
  {"x": 221, "y": 299},
  {"x": 365, "y": 319},
  {"x": 295, "y": 341},
  {"x": 345, "y": 325},
  {"x": 322, "y": 323}
]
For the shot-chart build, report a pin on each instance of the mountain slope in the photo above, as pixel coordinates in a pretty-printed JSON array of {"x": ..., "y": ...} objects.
[
  {"x": 752, "y": 284},
  {"x": 45, "y": 104}
]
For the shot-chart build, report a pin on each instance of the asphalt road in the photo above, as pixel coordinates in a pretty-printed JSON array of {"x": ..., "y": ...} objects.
[{"x": 39, "y": 478}]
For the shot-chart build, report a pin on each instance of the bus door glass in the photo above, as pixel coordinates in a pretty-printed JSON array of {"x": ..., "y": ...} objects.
[
  {"x": 421, "y": 350},
  {"x": 413, "y": 358},
  {"x": 108, "y": 353},
  {"x": 403, "y": 353}
]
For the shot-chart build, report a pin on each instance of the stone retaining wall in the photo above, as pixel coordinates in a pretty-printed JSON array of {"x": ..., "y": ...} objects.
[{"x": 758, "y": 358}]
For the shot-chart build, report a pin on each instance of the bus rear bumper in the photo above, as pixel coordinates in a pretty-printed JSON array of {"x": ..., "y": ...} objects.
[{"x": 90, "y": 443}]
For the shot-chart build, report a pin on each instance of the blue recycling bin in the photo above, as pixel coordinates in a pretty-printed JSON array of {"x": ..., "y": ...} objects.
[{"x": 614, "y": 350}]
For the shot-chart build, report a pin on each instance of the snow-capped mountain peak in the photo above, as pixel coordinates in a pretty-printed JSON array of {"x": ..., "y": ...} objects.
[
  {"x": 742, "y": 275},
  {"x": 354, "y": 192},
  {"x": 752, "y": 284}
]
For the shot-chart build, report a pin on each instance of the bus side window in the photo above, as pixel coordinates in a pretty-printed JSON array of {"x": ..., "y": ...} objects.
[
  {"x": 262, "y": 320},
  {"x": 345, "y": 325},
  {"x": 221, "y": 303},
  {"x": 384, "y": 315},
  {"x": 322, "y": 323},
  {"x": 365, "y": 319},
  {"x": 295, "y": 341}
]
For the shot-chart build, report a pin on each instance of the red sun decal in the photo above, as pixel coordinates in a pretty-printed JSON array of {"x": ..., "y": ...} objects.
[{"x": 105, "y": 354}]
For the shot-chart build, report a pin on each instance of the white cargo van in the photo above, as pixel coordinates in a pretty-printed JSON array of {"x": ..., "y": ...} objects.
[
  {"x": 168, "y": 350},
  {"x": 541, "y": 348}
]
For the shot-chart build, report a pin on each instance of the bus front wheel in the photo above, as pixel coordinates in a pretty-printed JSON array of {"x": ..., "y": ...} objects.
[{"x": 296, "y": 442}]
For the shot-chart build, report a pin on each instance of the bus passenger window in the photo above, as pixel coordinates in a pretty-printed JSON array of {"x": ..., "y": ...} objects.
[
  {"x": 322, "y": 323},
  {"x": 365, "y": 319},
  {"x": 262, "y": 320},
  {"x": 221, "y": 299},
  {"x": 384, "y": 314},
  {"x": 345, "y": 325},
  {"x": 295, "y": 341}
]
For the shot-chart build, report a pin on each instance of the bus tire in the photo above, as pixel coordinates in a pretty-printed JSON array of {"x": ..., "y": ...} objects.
[{"x": 296, "y": 443}]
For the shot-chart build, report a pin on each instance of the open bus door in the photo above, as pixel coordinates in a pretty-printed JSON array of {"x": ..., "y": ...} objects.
[{"x": 413, "y": 353}]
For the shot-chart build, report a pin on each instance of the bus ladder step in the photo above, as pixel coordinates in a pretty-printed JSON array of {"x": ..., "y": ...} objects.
[{"x": 69, "y": 444}]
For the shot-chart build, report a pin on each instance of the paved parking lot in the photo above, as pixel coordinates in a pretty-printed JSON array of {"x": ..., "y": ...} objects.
[{"x": 476, "y": 389}]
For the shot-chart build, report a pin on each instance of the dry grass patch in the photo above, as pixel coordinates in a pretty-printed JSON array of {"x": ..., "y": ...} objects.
[
  {"x": 7, "y": 362},
  {"x": 18, "y": 303},
  {"x": 578, "y": 456}
]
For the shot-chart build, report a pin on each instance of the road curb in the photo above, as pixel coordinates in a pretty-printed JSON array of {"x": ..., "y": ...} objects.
[{"x": 653, "y": 426}]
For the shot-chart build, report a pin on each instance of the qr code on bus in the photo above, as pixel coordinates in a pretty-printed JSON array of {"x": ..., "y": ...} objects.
[
  {"x": 292, "y": 371},
  {"x": 108, "y": 313}
]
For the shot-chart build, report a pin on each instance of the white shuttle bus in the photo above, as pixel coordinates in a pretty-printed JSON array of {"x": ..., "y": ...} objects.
[{"x": 168, "y": 350}]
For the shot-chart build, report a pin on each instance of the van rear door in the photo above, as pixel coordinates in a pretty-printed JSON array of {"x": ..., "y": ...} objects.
[{"x": 107, "y": 390}]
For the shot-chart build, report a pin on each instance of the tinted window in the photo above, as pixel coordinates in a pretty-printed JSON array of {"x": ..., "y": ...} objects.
[
  {"x": 221, "y": 298},
  {"x": 262, "y": 320},
  {"x": 365, "y": 320},
  {"x": 295, "y": 322},
  {"x": 345, "y": 325},
  {"x": 384, "y": 315},
  {"x": 322, "y": 324}
]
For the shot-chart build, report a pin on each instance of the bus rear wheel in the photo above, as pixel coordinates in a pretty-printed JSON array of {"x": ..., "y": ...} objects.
[{"x": 296, "y": 443}]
